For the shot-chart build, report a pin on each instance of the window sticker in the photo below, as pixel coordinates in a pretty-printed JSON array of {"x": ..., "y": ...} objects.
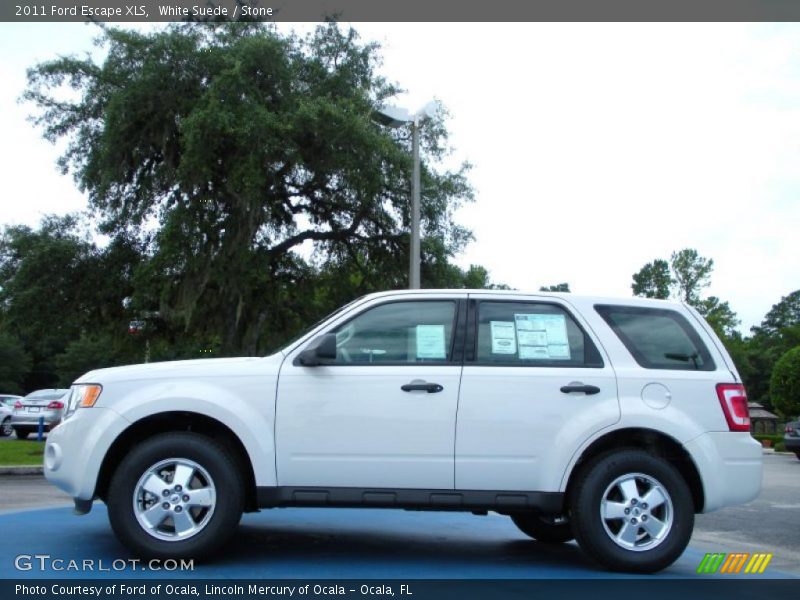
[
  {"x": 542, "y": 336},
  {"x": 430, "y": 341},
  {"x": 504, "y": 340}
]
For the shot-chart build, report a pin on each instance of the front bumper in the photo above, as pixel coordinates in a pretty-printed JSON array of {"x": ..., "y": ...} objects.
[
  {"x": 730, "y": 467},
  {"x": 76, "y": 448}
]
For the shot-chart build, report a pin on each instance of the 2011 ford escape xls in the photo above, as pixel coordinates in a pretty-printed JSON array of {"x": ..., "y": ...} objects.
[{"x": 605, "y": 420}]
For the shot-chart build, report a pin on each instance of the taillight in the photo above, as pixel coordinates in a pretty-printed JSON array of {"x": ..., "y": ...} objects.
[
  {"x": 789, "y": 429},
  {"x": 55, "y": 404},
  {"x": 733, "y": 400},
  {"x": 17, "y": 405}
]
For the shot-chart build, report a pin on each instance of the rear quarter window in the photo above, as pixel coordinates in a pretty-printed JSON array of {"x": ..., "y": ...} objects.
[{"x": 658, "y": 338}]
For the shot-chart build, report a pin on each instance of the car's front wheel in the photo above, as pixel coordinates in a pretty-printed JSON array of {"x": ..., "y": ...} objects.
[
  {"x": 177, "y": 495},
  {"x": 550, "y": 529},
  {"x": 5, "y": 428},
  {"x": 632, "y": 511}
]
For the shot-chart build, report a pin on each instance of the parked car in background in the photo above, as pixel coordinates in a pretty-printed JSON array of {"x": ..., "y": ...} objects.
[
  {"x": 6, "y": 407},
  {"x": 791, "y": 437},
  {"x": 46, "y": 404}
]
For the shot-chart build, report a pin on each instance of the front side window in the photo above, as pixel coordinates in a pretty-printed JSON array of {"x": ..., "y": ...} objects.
[
  {"x": 398, "y": 333},
  {"x": 658, "y": 338},
  {"x": 533, "y": 334}
]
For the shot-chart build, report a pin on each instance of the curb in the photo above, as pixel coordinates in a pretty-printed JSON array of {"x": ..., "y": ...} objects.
[{"x": 22, "y": 470}]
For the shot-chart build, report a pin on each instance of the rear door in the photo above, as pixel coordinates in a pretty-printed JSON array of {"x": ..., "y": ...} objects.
[{"x": 534, "y": 386}]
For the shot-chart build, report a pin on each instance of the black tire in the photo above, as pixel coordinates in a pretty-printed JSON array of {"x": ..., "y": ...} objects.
[
  {"x": 797, "y": 454},
  {"x": 594, "y": 534},
  {"x": 224, "y": 472},
  {"x": 5, "y": 427},
  {"x": 22, "y": 433},
  {"x": 544, "y": 528}
]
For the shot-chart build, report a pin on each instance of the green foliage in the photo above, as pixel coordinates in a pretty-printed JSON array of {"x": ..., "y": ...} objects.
[
  {"x": 780, "y": 447},
  {"x": 247, "y": 144},
  {"x": 15, "y": 364},
  {"x": 83, "y": 355},
  {"x": 784, "y": 385},
  {"x": 719, "y": 315},
  {"x": 653, "y": 280},
  {"x": 691, "y": 274},
  {"x": 559, "y": 287}
]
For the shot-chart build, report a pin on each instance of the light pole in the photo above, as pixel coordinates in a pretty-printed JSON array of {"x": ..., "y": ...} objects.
[{"x": 395, "y": 117}]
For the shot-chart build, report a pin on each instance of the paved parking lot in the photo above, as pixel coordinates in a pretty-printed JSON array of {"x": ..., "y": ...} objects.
[{"x": 348, "y": 543}]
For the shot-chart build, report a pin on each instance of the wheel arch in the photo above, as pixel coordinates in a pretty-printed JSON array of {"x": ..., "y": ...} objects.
[
  {"x": 166, "y": 422},
  {"x": 652, "y": 441}
]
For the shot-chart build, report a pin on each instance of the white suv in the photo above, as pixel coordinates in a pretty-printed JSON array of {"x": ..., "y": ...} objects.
[{"x": 608, "y": 420}]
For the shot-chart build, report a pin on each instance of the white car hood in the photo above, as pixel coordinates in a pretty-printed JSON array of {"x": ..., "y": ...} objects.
[{"x": 179, "y": 369}]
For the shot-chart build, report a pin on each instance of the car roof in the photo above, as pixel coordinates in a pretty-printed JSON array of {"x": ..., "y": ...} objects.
[{"x": 567, "y": 296}]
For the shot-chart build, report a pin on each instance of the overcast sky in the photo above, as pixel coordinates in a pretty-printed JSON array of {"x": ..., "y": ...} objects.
[{"x": 596, "y": 147}]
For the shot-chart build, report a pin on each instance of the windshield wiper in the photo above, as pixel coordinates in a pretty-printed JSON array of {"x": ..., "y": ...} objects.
[{"x": 683, "y": 357}]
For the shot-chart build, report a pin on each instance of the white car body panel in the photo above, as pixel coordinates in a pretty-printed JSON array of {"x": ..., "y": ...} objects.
[{"x": 491, "y": 428}]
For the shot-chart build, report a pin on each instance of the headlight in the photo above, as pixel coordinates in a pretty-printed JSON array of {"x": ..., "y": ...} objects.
[{"x": 82, "y": 395}]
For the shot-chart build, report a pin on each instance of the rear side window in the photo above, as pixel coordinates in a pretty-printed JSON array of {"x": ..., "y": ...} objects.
[{"x": 658, "y": 338}]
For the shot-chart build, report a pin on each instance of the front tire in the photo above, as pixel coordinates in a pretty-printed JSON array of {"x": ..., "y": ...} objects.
[
  {"x": 544, "y": 528},
  {"x": 632, "y": 511},
  {"x": 176, "y": 495}
]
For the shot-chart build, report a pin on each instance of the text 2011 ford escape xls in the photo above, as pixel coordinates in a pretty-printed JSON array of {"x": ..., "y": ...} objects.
[{"x": 610, "y": 421}]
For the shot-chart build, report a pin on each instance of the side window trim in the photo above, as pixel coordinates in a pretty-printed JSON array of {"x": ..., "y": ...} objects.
[
  {"x": 471, "y": 349},
  {"x": 458, "y": 311}
]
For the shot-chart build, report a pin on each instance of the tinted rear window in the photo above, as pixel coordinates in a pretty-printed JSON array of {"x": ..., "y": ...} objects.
[{"x": 658, "y": 338}]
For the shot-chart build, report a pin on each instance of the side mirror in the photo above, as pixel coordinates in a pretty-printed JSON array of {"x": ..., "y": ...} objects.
[{"x": 320, "y": 351}]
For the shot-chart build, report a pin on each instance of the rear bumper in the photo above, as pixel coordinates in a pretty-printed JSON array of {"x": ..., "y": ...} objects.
[
  {"x": 730, "y": 467},
  {"x": 792, "y": 443},
  {"x": 32, "y": 421}
]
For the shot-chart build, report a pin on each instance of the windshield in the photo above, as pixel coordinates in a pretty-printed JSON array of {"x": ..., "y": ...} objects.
[{"x": 321, "y": 321}]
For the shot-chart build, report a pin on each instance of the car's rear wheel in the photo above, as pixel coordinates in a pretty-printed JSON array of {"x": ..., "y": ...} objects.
[
  {"x": 797, "y": 454},
  {"x": 632, "y": 511},
  {"x": 177, "y": 495},
  {"x": 550, "y": 529},
  {"x": 5, "y": 428}
]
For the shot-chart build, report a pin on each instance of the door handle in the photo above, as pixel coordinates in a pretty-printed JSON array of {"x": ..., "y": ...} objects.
[
  {"x": 589, "y": 390},
  {"x": 422, "y": 386}
]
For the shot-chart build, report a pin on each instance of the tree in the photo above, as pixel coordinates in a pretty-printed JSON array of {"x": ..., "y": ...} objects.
[
  {"x": 719, "y": 315},
  {"x": 691, "y": 274},
  {"x": 245, "y": 144},
  {"x": 55, "y": 286},
  {"x": 653, "y": 280},
  {"x": 559, "y": 287},
  {"x": 782, "y": 316},
  {"x": 15, "y": 364},
  {"x": 784, "y": 385}
]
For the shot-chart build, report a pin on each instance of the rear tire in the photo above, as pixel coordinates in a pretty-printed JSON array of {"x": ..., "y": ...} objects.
[
  {"x": 632, "y": 511},
  {"x": 6, "y": 429},
  {"x": 797, "y": 454},
  {"x": 548, "y": 529},
  {"x": 22, "y": 433},
  {"x": 176, "y": 495}
]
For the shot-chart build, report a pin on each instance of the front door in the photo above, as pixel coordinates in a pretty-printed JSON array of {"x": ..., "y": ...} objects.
[{"x": 382, "y": 415}]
